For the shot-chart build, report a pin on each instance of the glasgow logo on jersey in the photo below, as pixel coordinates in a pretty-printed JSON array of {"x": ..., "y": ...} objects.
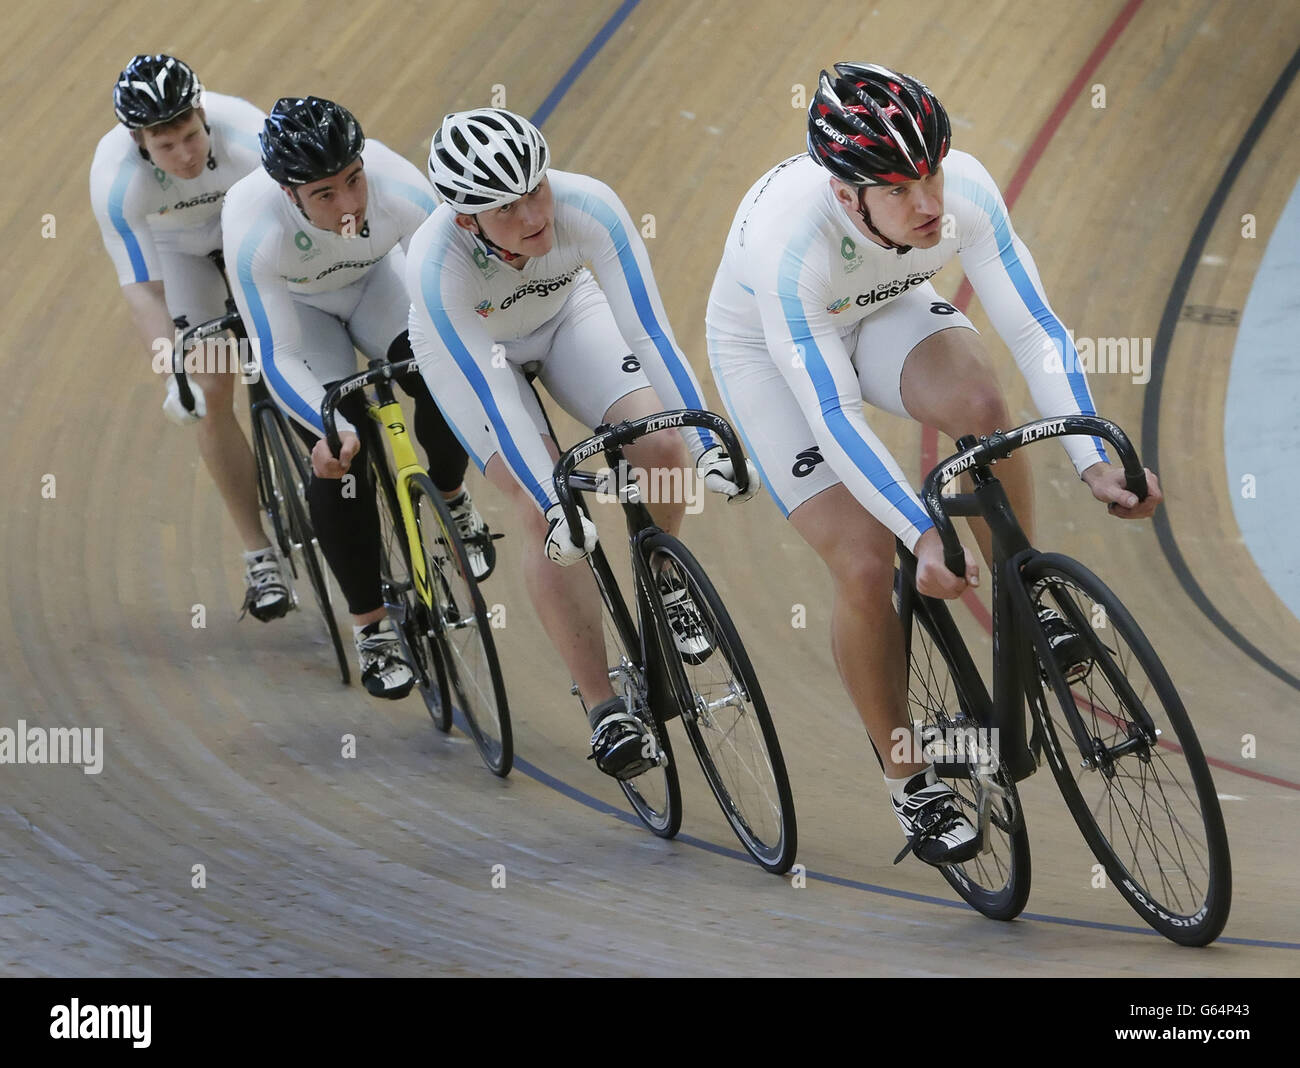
[
  {"x": 838, "y": 306},
  {"x": 484, "y": 308},
  {"x": 805, "y": 461},
  {"x": 888, "y": 290}
]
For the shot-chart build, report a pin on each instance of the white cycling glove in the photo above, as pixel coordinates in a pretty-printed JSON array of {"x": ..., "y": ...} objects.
[
  {"x": 176, "y": 411},
  {"x": 715, "y": 466},
  {"x": 559, "y": 544}
]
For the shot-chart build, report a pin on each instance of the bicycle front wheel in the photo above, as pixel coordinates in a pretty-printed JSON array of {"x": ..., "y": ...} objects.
[
  {"x": 1140, "y": 789},
  {"x": 455, "y": 616},
  {"x": 723, "y": 709},
  {"x": 655, "y": 795},
  {"x": 284, "y": 488},
  {"x": 944, "y": 691}
]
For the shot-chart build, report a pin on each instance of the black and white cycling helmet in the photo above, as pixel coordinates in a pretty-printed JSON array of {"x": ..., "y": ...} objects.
[
  {"x": 487, "y": 157},
  {"x": 154, "y": 89}
]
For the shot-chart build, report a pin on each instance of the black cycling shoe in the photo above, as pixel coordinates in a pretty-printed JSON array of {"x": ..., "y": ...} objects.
[
  {"x": 268, "y": 596},
  {"x": 621, "y": 746},
  {"x": 691, "y": 636},
  {"x": 1069, "y": 647},
  {"x": 937, "y": 829},
  {"x": 384, "y": 671}
]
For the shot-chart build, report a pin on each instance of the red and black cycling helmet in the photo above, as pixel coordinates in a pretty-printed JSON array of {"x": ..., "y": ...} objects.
[{"x": 869, "y": 125}]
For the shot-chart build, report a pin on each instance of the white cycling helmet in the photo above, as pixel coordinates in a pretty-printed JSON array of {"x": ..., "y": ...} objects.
[{"x": 485, "y": 158}]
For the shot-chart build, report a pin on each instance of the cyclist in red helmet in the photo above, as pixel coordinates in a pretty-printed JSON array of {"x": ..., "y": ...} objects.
[{"x": 823, "y": 301}]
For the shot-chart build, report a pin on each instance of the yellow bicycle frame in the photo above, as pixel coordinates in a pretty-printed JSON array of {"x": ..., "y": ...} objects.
[{"x": 391, "y": 419}]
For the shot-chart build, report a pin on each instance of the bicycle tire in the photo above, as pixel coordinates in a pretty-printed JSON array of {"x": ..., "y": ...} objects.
[
  {"x": 724, "y": 713},
  {"x": 461, "y": 627},
  {"x": 994, "y": 883},
  {"x": 1196, "y": 916},
  {"x": 287, "y": 479},
  {"x": 398, "y": 592},
  {"x": 655, "y": 795}
]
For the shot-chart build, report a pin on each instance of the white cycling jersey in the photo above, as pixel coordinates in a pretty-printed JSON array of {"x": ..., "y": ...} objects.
[
  {"x": 797, "y": 279},
  {"x": 469, "y": 308},
  {"x": 141, "y": 207},
  {"x": 279, "y": 262}
]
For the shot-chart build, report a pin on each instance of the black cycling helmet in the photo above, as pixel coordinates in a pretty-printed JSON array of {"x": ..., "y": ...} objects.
[
  {"x": 153, "y": 90},
  {"x": 306, "y": 139},
  {"x": 869, "y": 125}
]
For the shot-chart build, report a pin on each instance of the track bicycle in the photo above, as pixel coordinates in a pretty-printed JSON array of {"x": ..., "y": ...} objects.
[
  {"x": 427, "y": 584},
  {"x": 283, "y": 473},
  {"x": 1117, "y": 737},
  {"x": 716, "y": 695}
]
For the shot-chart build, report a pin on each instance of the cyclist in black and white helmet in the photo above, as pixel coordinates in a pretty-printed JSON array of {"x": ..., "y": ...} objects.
[
  {"x": 156, "y": 185},
  {"x": 317, "y": 239},
  {"x": 500, "y": 288}
]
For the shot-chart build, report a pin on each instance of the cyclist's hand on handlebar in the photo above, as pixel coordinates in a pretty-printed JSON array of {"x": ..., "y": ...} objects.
[
  {"x": 720, "y": 475},
  {"x": 932, "y": 575},
  {"x": 1107, "y": 484},
  {"x": 559, "y": 541},
  {"x": 176, "y": 411},
  {"x": 323, "y": 461}
]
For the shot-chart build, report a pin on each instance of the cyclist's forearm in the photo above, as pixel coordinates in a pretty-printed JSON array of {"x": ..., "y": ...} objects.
[{"x": 148, "y": 306}]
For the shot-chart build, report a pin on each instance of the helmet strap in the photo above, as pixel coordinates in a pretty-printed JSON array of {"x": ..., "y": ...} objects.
[
  {"x": 493, "y": 247},
  {"x": 866, "y": 218}
]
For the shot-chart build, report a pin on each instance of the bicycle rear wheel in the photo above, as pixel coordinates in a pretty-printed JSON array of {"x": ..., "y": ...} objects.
[
  {"x": 1141, "y": 790},
  {"x": 724, "y": 713},
  {"x": 456, "y": 618},
  {"x": 944, "y": 692},
  {"x": 655, "y": 795},
  {"x": 283, "y": 484},
  {"x": 409, "y": 616}
]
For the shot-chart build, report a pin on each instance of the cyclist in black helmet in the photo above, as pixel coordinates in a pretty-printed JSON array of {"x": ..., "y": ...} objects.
[
  {"x": 317, "y": 238},
  {"x": 822, "y": 301},
  {"x": 156, "y": 185}
]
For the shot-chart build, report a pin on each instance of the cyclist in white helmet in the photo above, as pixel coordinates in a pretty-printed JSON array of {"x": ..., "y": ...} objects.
[
  {"x": 500, "y": 288},
  {"x": 157, "y": 184}
]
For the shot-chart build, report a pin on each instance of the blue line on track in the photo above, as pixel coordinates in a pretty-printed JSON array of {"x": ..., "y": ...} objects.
[{"x": 580, "y": 64}]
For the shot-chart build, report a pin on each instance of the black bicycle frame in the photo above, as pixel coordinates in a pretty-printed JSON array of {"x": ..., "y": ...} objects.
[
  {"x": 1014, "y": 672},
  {"x": 611, "y": 439}
]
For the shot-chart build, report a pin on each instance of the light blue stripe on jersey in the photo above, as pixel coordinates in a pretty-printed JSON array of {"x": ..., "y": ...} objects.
[
  {"x": 833, "y": 415},
  {"x": 243, "y": 138},
  {"x": 607, "y": 218},
  {"x": 987, "y": 203},
  {"x": 414, "y": 194},
  {"x": 720, "y": 379},
  {"x": 275, "y": 381},
  {"x": 116, "y": 195},
  {"x": 745, "y": 288},
  {"x": 430, "y": 280}
]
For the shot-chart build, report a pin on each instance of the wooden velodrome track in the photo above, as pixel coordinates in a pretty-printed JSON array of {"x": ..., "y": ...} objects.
[{"x": 222, "y": 745}]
